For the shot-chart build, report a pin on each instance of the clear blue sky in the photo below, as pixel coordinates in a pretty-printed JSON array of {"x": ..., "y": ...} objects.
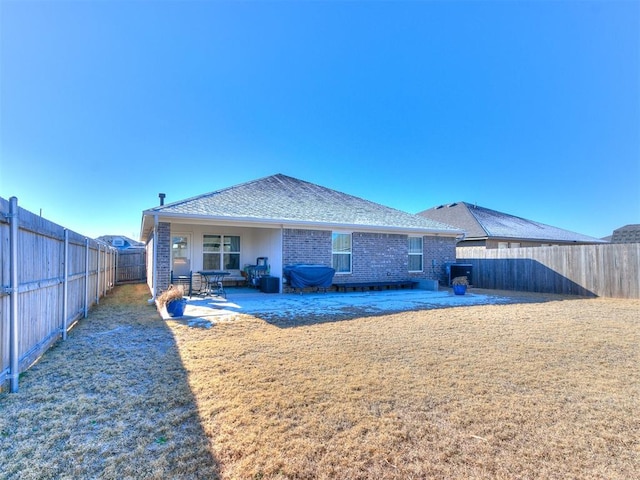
[{"x": 529, "y": 108}]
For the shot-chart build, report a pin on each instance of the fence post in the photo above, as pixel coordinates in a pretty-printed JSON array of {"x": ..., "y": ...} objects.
[
  {"x": 86, "y": 278},
  {"x": 14, "y": 353},
  {"x": 104, "y": 274},
  {"x": 98, "y": 278},
  {"x": 65, "y": 285}
]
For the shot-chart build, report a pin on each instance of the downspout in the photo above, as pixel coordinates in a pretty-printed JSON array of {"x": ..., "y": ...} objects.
[
  {"x": 154, "y": 273},
  {"x": 14, "y": 359}
]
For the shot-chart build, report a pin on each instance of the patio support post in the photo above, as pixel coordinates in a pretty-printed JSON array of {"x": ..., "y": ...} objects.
[{"x": 14, "y": 360}]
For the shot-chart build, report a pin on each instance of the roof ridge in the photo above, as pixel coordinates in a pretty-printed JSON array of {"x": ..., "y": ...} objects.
[{"x": 475, "y": 217}]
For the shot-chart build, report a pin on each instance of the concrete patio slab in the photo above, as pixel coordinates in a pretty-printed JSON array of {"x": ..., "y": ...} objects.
[{"x": 290, "y": 308}]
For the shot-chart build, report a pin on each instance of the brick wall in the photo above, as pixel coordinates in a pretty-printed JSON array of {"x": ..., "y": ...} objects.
[
  {"x": 163, "y": 244},
  {"x": 437, "y": 252},
  {"x": 375, "y": 256},
  {"x": 306, "y": 246}
]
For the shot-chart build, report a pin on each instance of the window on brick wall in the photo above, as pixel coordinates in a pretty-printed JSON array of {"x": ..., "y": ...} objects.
[
  {"x": 341, "y": 252},
  {"x": 221, "y": 252},
  {"x": 415, "y": 254}
]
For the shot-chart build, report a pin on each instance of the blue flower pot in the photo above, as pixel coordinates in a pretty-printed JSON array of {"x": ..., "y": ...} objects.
[
  {"x": 459, "y": 289},
  {"x": 176, "y": 308}
]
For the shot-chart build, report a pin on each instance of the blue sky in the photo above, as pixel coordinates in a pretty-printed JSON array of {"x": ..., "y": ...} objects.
[{"x": 529, "y": 108}]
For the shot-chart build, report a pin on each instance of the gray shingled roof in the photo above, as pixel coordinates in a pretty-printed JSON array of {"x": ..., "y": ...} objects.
[
  {"x": 626, "y": 234},
  {"x": 280, "y": 198},
  {"x": 480, "y": 222}
]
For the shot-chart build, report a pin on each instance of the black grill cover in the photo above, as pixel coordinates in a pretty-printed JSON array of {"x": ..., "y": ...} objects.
[{"x": 300, "y": 276}]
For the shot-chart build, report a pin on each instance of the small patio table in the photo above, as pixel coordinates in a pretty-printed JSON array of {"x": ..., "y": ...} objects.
[{"x": 213, "y": 282}]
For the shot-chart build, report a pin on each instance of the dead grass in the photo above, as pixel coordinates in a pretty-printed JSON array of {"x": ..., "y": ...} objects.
[
  {"x": 112, "y": 402},
  {"x": 531, "y": 390}
]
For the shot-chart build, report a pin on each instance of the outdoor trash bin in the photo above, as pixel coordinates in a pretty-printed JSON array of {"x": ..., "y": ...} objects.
[{"x": 269, "y": 284}]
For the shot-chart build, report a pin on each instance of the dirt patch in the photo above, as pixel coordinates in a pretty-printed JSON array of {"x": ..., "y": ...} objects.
[{"x": 547, "y": 388}]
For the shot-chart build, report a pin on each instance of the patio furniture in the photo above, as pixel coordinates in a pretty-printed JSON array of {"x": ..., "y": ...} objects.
[
  {"x": 213, "y": 282},
  {"x": 254, "y": 272},
  {"x": 181, "y": 274}
]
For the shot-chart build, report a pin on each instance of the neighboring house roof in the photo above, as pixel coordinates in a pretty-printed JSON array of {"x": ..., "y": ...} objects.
[
  {"x": 293, "y": 203},
  {"x": 626, "y": 234},
  {"x": 120, "y": 241},
  {"x": 483, "y": 223}
]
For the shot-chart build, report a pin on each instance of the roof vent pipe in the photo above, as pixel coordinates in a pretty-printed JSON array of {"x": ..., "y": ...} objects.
[{"x": 161, "y": 195}]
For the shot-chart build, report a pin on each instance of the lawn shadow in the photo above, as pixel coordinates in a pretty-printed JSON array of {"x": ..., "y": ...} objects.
[{"x": 112, "y": 401}]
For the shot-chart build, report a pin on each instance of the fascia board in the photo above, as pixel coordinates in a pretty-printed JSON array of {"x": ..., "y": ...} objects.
[{"x": 271, "y": 223}]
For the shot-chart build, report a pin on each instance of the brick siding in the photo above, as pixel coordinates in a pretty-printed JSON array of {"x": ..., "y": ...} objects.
[
  {"x": 306, "y": 246},
  {"x": 163, "y": 244},
  {"x": 375, "y": 256},
  {"x": 437, "y": 252}
]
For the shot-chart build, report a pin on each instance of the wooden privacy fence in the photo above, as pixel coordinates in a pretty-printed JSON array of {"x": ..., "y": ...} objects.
[
  {"x": 131, "y": 266},
  {"x": 604, "y": 270},
  {"x": 50, "y": 277}
]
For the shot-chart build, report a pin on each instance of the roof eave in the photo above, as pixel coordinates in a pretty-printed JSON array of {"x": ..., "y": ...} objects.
[{"x": 277, "y": 222}]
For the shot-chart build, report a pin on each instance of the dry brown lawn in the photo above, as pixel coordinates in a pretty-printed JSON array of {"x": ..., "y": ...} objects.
[{"x": 525, "y": 390}]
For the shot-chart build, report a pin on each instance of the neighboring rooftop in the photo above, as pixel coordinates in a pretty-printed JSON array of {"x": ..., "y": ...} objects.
[
  {"x": 120, "y": 241},
  {"x": 626, "y": 234},
  {"x": 483, "y": 223},
  {"x": 280, "y": 199}
]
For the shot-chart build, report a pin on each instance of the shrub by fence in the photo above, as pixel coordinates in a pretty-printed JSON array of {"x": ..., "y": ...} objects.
[
  {"x": 50, "y": 277},
  {"x": 605, "y": 270}
]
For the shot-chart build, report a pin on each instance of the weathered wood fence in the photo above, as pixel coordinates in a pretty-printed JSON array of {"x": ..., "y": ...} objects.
[
  {"x": 606, "y": 270},
  {"x": 131, "y": 266},
  {"x": 49, "y": 278}
]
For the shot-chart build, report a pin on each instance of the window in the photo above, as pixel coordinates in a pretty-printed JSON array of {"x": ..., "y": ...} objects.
[
  {"x": 221, "y": 252},
  {"x": 180, "y": 263},
  {"x": 341, "y": 252},
  {"x": 415, "y": 254}
]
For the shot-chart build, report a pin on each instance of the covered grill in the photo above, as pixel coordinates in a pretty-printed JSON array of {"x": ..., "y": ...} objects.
[{"x": 303, "y": 275}]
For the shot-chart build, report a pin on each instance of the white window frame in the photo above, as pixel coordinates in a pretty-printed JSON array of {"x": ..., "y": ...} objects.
[
  {"x": 349, "y": 253},
  {"x": 416, "y": 254},
  {"x": 222, "y": 253},
  {"x": 188, "y": 252}
]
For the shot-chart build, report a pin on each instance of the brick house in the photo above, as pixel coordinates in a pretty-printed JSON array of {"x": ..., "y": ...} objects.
[{"x": 290, "y": 221}]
